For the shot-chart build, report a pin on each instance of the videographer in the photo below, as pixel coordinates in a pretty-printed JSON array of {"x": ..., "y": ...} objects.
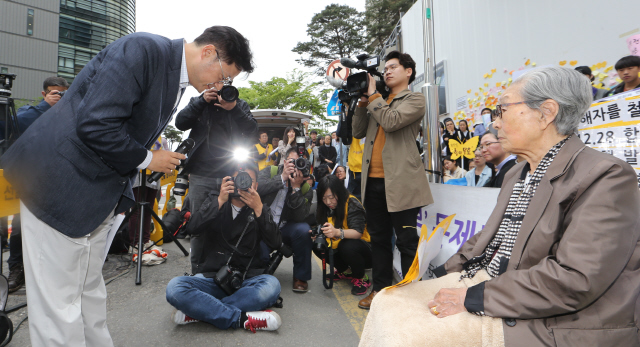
[
  {"x": 228, "y": 288},
  {"x": 53, "y": 89},
  {"x": 289, "y": 198},
  {"x": 394, "y": 183},
  {"x": 215, "y": 124}
]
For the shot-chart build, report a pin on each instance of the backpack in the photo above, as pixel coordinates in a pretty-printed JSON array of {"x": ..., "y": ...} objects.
[{"x": 6, "y": 326}]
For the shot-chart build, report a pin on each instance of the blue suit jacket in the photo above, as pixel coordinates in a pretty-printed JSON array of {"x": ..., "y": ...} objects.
[{"x": 76, "y": 162}]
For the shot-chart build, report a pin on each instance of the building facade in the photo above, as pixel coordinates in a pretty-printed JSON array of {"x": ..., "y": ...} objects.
[{"x": 42, "y": 38}]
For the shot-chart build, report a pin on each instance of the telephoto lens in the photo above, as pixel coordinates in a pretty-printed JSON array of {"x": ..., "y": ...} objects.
[
  {"x": 242, "y": 181},
  {"x": 229, "y": 93},
  {"x": 321, "y": 241},
  {"x": 182, "y": 184}
]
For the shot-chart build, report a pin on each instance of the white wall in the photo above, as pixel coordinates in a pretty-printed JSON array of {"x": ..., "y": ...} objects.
[{"x": 476, "y": 36}]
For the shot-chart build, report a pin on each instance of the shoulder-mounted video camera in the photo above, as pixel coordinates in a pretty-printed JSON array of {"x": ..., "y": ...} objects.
[{"x": 357, "y": 84}]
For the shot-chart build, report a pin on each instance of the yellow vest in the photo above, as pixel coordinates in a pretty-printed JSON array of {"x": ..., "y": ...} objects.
[
  {"x": 335, "y": 241},
  {"x": 355, "y": 154},
  {"x": 264, "y": 162}
]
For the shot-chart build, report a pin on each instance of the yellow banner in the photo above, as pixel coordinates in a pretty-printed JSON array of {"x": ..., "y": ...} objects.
[{"x": 9, "y": 202}]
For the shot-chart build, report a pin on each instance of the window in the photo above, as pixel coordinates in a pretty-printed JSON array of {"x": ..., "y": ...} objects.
[
  {"x": 4, "y": 70},
  {"x": 29, "y": 22},
  {"x": 65, "y": 62}
]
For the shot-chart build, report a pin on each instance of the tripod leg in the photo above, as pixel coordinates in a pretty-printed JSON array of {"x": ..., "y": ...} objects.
[
  {"x": 164, "y": 228},
  {"x": 140, "y": 243}
]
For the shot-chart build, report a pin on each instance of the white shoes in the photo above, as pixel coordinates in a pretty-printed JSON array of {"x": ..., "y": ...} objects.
[
  {"x": 266, "y": 320},
  {"x": 181, "y": 319}
]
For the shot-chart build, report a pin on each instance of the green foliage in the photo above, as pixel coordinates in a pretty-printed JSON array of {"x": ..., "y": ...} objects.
[
  {"x": 380, "y": 18},
  {"x": 24, "y": 102},
  {"x": 336, "y": 32},
  {"x": 296, "y": 92},
  {"x": 172, "y": 135}
]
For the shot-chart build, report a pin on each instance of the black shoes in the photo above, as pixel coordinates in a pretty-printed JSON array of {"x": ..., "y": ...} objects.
[{"x": 16, "y": 278}]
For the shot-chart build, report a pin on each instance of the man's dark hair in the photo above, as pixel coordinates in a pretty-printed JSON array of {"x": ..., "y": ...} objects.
[
  {"x": 405, "y": 60},
  {"x": 54, "y": 81},
  {"x": 446, "y": 120},
  {"x": 321, "y": 171},
  {"x": 262, "y": 132},
  {"x": 292, "y": 149},
  {"x": 628, "y": 61},
  {"x": 585, "y": 70},
  {"x": 313, "y": 132},
  {"x": 486, "y": 109},
  {"x": 230, "y": 44}
]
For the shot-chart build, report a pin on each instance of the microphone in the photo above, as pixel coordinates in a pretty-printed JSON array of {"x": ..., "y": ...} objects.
[
  {"x": 184, "y": 148},
  {"x": 346, "y": 62}
]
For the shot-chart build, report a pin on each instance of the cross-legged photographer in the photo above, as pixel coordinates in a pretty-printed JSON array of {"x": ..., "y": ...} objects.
[
  {"x": 228, "y": 288},
  {"x": 394, "y": 183},
  {"x": 289, "y": 198},
  {"x": 343, "y": 222}
]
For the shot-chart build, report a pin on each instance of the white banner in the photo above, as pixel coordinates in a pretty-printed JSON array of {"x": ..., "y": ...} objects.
[{"x": 472, "y": 207}]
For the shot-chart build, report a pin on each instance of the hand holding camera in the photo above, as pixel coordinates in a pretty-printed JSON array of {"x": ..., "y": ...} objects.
[
  {"x": 251, "y": 198},
  {"x": 213, "y": 95},
  {"x": 53, "y": 97},
  {"x": 330, "y": 231},
  {"x": 226, "y": 189},
  {"x": 288, "y": 170},
  {"x": 296, "y": 179}
]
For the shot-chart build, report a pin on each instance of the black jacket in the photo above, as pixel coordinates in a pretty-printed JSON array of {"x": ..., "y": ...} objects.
[
  {"x": 496, "y": 182},
  {"x": 617, "y": 90},
  {"x": 296, "y": 206},
  {"x": 327, "y": 152},
  {"x": 215, "y": 234},
  {"x": 228, "y": 128}
]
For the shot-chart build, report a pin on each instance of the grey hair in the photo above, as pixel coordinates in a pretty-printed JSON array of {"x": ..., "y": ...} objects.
[{"x": 569, "y": 88}]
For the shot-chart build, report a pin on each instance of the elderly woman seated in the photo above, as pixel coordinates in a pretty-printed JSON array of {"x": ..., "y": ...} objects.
[{"x": 558, "y": 262}]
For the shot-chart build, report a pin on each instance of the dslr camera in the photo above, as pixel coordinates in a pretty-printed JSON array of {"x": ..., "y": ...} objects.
[
  {"x": 320, "y": 244},
  {"x": 229, "y": 279},
  {"x": 242, "y": 181},
  {"x": 301, "y": 163}
]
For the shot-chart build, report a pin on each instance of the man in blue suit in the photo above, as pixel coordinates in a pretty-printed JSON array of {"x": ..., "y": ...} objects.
[{"x": 73, "y": 168}]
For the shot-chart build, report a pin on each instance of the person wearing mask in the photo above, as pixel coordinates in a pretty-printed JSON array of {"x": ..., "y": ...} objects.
[
  {"x": 598, "y": 93},
  {"x": 493, "y": 153},
  {"x": 327, "y": 153},
  {"x": 481, "y": 173},
  {"x": 343, "y": 221},
  {"x": 628, "y": 68},
  {"x": 288, "y": 142},
  {"x": 452, "y": 170},
  {"x": 262, "y": 151},
  {"x": 394, "y": 184}
]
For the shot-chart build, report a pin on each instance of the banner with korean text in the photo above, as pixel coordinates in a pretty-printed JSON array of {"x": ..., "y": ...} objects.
[
  {"x": 472, "y": 207},
  {"x": 613, "y": 126}
]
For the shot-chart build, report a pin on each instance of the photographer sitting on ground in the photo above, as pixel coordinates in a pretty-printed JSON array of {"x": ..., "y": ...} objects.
[
  {"x": 343, "y": 221},
  {"x": 226, "y": 231},
  {"x": 284, "y": 190}
]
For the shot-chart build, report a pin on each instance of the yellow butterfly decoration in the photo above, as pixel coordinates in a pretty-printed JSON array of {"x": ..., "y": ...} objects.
[
  {"x": 415, "y": 271},
  {"x": 463, "y": 149}
]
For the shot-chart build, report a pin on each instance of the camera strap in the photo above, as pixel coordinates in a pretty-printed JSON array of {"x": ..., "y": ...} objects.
[
  {"x": 327, "y": 278},
  {"x": 235, "y": 249}
]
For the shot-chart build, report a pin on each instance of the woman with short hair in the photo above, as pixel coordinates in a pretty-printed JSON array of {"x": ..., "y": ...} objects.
[{"x": 558, "y": 261}]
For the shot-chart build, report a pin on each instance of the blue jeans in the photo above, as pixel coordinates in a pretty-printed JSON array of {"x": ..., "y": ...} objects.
[
  {"x": 200, "y": 298},
  {"x": 296, "y": 236}
]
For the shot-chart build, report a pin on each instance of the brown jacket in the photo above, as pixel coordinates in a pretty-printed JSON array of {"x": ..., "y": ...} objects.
[
  {"x": 574, "y": 274},
  {"x": 405, "y": 179}
]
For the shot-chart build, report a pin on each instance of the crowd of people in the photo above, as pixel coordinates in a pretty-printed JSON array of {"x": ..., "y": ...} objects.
[{"x": 580, "y": 266}]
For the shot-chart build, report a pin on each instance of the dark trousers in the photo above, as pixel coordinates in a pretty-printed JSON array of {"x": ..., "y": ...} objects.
[
  {"x": 354, "y": 254},
  {"x": 134, "y": 221},
  {"x": 297, "y": 236},
  {"x": 355, "y": 183},
  {"x": 381, "y": 224},
  {"x": 15, "y": 243}
]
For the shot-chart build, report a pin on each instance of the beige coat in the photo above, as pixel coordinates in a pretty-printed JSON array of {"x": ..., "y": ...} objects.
[
  {"x": 574, "y": 274},
  {"x": 405, "y": 179}
]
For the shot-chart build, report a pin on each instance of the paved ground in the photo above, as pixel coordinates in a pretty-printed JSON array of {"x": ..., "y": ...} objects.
[{"x": 140, "y": 315}]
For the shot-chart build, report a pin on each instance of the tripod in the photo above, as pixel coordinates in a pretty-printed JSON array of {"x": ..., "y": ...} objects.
[{"x": 142, "y": 206}]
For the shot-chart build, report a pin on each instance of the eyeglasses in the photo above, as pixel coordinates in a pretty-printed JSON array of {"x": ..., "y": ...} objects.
[
  {"x": 391, "y": 68},
  {"x": 328, "y": 198},
  {"x": 225, "y": 81},
  {"x": 486, "y": 145},
  {"x": 500, "y": 106}
]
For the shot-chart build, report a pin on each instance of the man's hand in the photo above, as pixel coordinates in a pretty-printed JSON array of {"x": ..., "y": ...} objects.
[
  {"x": 226, "y": 188},
  {"x": 288, "y": 170},
  {"x": 297, "y": 180},
  {"x": 209, "y": 94},
  {"x": 165, "y": 161},
  {"x": 372, "y": 85},
  {"x": 447, "y": 302},
  {"x": 330, "y": 231},
  {"x": 252, "y": 199},
  {"x": 212, "y": 94},
  {"x": 52, "y": 98}
]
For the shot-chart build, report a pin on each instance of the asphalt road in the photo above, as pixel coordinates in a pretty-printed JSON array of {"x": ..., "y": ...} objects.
[{"x": 140, "y": 315}]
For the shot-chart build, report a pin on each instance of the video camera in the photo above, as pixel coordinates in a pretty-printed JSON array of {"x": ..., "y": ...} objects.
[
  {"x": 8, "y": 112},
  {"x": 357, "y": 84}
]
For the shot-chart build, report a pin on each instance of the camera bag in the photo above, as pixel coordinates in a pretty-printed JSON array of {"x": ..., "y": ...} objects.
[{"x": 6, "y": 326}]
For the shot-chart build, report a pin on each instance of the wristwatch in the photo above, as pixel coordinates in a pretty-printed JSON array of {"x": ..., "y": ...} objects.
[
  {"x": 296, "y": 189},
  {"x": 341, "y": 234}
]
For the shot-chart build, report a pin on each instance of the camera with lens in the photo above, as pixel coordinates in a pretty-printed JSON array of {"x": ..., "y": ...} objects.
[
  {"x": 59, "y": 92},
  {"x": 303, "y": 165},
  {"x": 320, "y": 244},
  {"x": 6, "y": 82},
  {"x": 242, "y": 181},
  {"x": 357, "y": 84},
  {"x": 182, "y": 183},
  {"x": 229, "y": 279},
  {"x": 276, "y": 258}
]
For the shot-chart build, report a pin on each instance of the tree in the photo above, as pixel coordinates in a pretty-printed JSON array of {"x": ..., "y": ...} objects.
[
  {"x": 336, "y": 32},
  {"x": 380, "y": 18},
  {"x": 172, "y": 135},
  {"x": 296, "y": 92}
]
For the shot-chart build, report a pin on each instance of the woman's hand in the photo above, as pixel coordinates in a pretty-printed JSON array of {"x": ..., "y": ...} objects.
[
  {"x": 447, "y": 302},
  {"x": 330, "y": 231}
]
